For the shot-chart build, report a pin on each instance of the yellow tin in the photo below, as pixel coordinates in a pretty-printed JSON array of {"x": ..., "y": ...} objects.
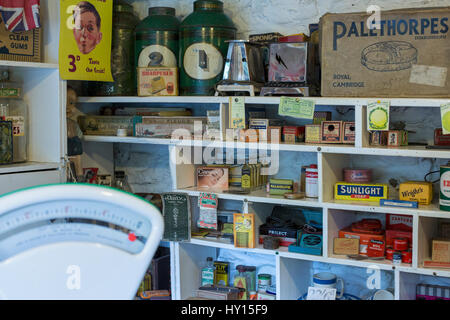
[{"x": 360, "y": 191}]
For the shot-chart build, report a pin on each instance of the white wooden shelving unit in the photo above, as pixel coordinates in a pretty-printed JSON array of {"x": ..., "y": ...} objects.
[
  {"x": 293, "y": 271},
  {"x": 45, "y": 94}
]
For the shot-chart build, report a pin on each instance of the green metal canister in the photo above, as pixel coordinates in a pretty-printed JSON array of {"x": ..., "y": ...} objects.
[
  {"x": 122, "y": 54},
  {"x": 444, "y": 193},
  {"x": 203, "y": 47},
  {"x": 156, "y": 39}
]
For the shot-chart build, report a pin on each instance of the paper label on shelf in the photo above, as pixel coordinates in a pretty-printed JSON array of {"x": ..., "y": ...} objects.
[
  {"x": 296, "y": 107},
  {"x": 315, "y": 293},
  {"x": 445, "y": 118},
  {"x": 18, "y": 125},
  {"x": 237, "y": 113},
  {"x": 85, "y": 41},
  {"x": 378, "y": 115}
]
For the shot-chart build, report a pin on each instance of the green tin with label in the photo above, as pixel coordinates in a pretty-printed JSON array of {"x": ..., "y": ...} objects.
[
  {"x": 203, "y": 47},
  {"x": 156, "y": 39}
]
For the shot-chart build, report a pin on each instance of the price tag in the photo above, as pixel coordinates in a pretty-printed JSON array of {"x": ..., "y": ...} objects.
[
  {"x": 445, "y": 118},
  {"x": 85, "y": 40},
  {"x": 237, "y": 112},
  {"x": 321, "y": 293},
  {"x": 296, "y": 107},
  {"x": 378, "y": 115}
]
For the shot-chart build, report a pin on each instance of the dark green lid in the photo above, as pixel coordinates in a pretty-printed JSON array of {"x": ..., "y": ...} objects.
[
  {"x": 161, "y": 11},
  {"x": 121, "y": 6}
]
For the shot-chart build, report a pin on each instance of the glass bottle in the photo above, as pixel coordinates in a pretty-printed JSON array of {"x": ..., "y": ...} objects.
[
  {"x": 241, "y": 281},
  {"x": 207, "y": 273},
  {"x": 121, "y": 181},
  {"x": 14, "y": 109}
]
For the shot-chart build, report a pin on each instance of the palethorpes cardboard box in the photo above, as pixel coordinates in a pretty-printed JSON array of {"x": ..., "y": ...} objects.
[{"x": 406, "y": 55}]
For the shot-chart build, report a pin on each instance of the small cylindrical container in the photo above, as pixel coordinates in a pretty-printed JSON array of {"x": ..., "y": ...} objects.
[
  {"x": 264, "y": 282},
  {"x": 311, "y": 182}
]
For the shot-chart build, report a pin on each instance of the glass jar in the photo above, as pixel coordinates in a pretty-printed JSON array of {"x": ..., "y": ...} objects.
[
  {"x": 122, "y": 53},
  {"x": 121, "y": 181},
  {"x": 14, "y": 109}
]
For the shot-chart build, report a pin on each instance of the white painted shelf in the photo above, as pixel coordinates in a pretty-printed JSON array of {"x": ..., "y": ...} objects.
[
  {"x": 407, "y": 151},
  {"x": 31, "y": 65},
  {"x": 326, "y": 101},
  {"x": 257, "y": 196}
]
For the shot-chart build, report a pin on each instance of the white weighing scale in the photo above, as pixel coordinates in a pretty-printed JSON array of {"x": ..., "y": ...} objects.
[{"x": 75, "y": 241}]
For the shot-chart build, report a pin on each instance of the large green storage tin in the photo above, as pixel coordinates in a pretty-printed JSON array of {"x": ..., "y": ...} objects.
[{"x": 203, "y": 47}]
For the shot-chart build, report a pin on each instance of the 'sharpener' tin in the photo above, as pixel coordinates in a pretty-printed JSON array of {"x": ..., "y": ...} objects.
[{"x": 444, "y": 193}]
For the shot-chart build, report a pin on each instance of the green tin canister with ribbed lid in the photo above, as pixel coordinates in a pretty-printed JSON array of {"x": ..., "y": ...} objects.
[
  {"x": 156, "y": 39},
  {"x": 203, "y": 47}
]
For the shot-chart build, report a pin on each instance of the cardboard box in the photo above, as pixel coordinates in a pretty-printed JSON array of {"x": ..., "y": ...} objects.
[
  {"x": 345, "y": 246},
  {"x": 407, "y": 56},
  {"x": 420, "y": 191},
  {"x": 157, "y": 82},
  {"x": 212, "y": 178},
  {"x": 399, "y": 222},
  {"x": 20, "y": 46},
  {"x": 364, "y": 238},
  {"x": 313, "y": 133},
  {"x": 105, "y": 125},
  {"x": 441, "y": 251},
  {"x": 332, "y": 132}
]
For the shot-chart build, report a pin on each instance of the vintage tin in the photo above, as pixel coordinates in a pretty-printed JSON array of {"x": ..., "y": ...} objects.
[
  {"x": 122, "y": 54},
  {"x": 389, "y": 253},
  {"x": 358, "y": 175},
  {"x": 348, "y": 132},
  {"x": 400, "y": 244},
  {"x": 331, "y": 132},
  {"x": 397, "y": 258},
  {"x": 441, "y": 139},
  {"x": 407, "y": 256},
  {"x": 360, "y": 191},
  {"x": 313, "y": 133},
  {"x": 280, "y": 186},
  {"x": 444, "y": 193},
  {"x": 203, "y": 47},
  {"x": 156, "y": 39},
  {"x": 420, "y": 191}
]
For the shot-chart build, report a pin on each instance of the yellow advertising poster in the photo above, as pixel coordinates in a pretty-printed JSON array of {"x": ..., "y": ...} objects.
[{"x": 85, "y": 40}]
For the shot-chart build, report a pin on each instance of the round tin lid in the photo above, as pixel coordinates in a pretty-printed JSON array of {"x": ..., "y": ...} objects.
[
  {"x": 208, "y": 5},
  {"x": 161, "y": 11}
]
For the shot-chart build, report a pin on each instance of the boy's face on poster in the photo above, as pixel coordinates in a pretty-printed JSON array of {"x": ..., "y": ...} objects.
[{"x": 86, "y": 32}]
